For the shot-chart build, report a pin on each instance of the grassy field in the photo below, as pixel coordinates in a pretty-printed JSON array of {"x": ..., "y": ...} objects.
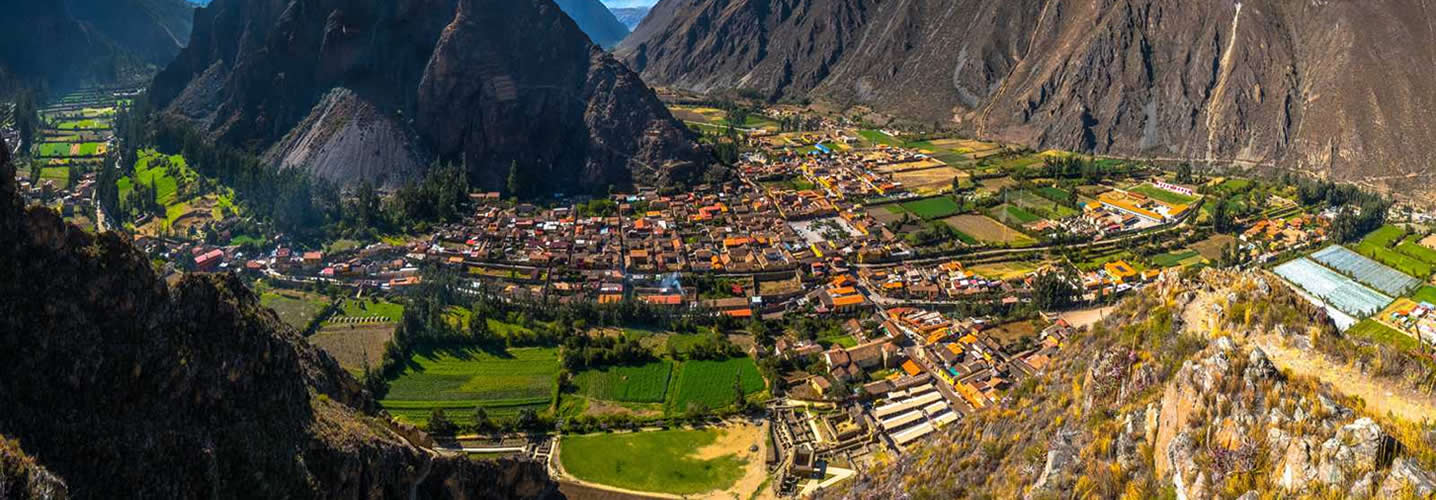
[
  {"x": 58, "y": 175},
  {"x": 1014, "y": 213},
  {"x": 709, "y": 384},
  {"x": 1377, "y": 332},
  {"x": 1384, "y": 236},
  {"x": 1425, "y": 294},
  {"x": 1175, "y": 258},
  {"x": 83, "y": 124},
  {"x": 363, "y": 308},
  {"x": 1418, "y": 252},
  {"x": 295, "y": 308},
  {"x": 458, "y": 380},
  {"x": 636, "y": 384},
  {"x": 52, "y": 149},
  {"x": 932, "y": 208},
  {"x": 660, "y": 461},
  {"x": 1163, "y": 195}
]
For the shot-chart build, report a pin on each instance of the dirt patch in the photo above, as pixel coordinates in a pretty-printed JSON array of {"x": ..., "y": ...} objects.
[
  {"x": 1211, "y": 248},
  {"x": 739, "y": 440},
  {"x": 984, "y": 228},
  {"x": 1381, "y": 397},
  {"x": 600, "y": 408},
  {"x": 1086, "y": 317},
  {"x": 733, "y": 441},
  {"x": 1429, "y": 242},
  {"x": 354, "y": 344}
]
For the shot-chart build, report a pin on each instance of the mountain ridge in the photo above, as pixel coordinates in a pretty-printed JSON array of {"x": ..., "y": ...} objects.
[
  {"x": 1329, "y": 88},
  {"x": 449, "y": 80}
]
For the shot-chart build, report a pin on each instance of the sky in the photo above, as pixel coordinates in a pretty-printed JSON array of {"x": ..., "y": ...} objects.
[{"x": 629, "y": 3}]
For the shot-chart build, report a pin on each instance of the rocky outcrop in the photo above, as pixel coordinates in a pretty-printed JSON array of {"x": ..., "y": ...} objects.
[
  {"x": 1327, "y": 87},
  {"x": 486, "y": 83},
  {"x": 115, "y": 380},
  {"x": 596, "y": 21},
  {"x": 631, "y": 17}
]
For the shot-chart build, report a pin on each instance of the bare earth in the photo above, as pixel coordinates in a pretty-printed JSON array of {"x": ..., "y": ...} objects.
[{"x": 1381, "y": 397}]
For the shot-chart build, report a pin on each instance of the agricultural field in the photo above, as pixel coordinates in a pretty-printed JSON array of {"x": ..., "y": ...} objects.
[
  {"x": 1013, "y": 213},
  {"x": 461, "y": 379},
  {"x": 52, "y": 149},
  {"x": 677, "y": 462},
  {"x": 932, "y": 180},
  {"x": 1385, "y": 236},
  {"x": 985, "y": 229},
  {"x": 1004, "y": 270},
  {"x": 1378, "y": 332},
  {"x": 1425, "y": 294},
  {"x": 1163, "y": 195},
  {"x": 709, "y": 384},
  {"x": 1408, "y": 270},
  {"x": 60, "y": 176},
  {"x": 87, "y": 124},
  {"x": 647, "y": 383},
  {"x": 1179, "y": 258},
  {"x": 295, "y": 308},
  {"x": 932, "y": 208},
  {"x": 355, "y": 345},
  {"x": 366, "y": 308}
]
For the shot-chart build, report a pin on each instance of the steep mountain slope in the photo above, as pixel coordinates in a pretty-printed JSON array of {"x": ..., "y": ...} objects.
[
  {"x": 1172, "y": 397},
  {"x": 117, "y": 386},
  {"x": 486, "y": 83},
  {"x": 70, "y": 43},
  {"x": 630, "y": 16},
  {"x": 1331, "y": 87},
  {"x": 595, "y": 20}
]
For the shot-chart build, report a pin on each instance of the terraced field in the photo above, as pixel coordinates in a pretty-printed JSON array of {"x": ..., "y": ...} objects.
[
  {"x": 461, "y": 379},
  {"x": 709, "y": 384},
  {"x": 646, "y": 383}
]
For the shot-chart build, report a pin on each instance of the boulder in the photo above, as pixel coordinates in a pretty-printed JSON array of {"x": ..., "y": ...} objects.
[{"x": 1408, "y": 478}]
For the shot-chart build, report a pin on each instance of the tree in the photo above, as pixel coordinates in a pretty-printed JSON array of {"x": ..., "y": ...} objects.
[
  {"x": 440, "y": 424},
  {"x": 515, "y": 181},
  {"x": 481, "y": 419},
  {"x": 527, "y": 419},
  {"x": 740, "y": 400},
  {"x": 479, "y": 328},
  {"x": 1053, "y": 290}
]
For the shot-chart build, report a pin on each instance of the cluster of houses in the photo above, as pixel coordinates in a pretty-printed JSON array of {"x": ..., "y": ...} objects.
[
  {"x": 1417, "y": 319},
  {"x": 1268, "y": 238},
  {"x": 946, "y": 281},
  {"x": 1115, "y": 278}
]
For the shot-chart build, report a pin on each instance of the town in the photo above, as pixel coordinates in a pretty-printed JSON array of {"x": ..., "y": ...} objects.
[{"x": 850, "y": 290}]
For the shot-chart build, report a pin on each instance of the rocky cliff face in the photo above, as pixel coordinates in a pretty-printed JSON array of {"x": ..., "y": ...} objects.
[
  {"x": 70, "y": 43},
  {"x": 119, "y": 386},
  {"x": 489, "y": 83},
  {"x": 630, "y": 16},
  {"x": 1334, "y": 88},
  {"x": 1173, "y": 397},
  {"x": 596, "y": 21}
]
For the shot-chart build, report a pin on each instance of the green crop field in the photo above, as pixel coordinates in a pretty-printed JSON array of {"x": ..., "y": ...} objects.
[
  {"x": 1377, "y": 332},
  {"x": 52, "y": 149},
  {"x": 460, "y": 379},
  {"x": 659, "y": 461},
  {"x": 1426, "y": 293},
  {"x": 1163, "y": 195},
  {"x": 363, "y": 308},
  {"x": 1014, "y": 213},
  {"x": 58, "y": 175},
  {"x": 1054, "y": 194},
  {"x": 88, "y": 149},
  {"x": 709, "y": 384},
  {"x": 83, "y": 125},
  {"x": 1417, "y": 252},
  {"x": 635, "y": 384},
  {"x": 1401, "y": 262},
  {"x": 877, "y": 137},
  {"x": 932, "y": 208},
  {"x": 1384, "y": 236},
  {"x": 1174, "y": 258}
]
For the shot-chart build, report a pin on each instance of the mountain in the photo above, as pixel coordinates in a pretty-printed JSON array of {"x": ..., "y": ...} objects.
[
  {"x": 1334, "y": 88},
  {"x": 119, "y": 386},
  {"x": 630, "y": 16},
  {"x": 491, "y": 84},
  {"x": 596, "y": 21},
  {"x": 1218, "y": 386},
  {"x": 65, "y": 44}
]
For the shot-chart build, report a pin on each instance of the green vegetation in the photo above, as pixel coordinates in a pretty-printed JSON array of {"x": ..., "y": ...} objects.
[
  {"x": 1385, "y": 236},
  {"x": 364, "y": 308},
  {"x": 1417, "y": 252},
  {"x": 1174, "y": 258},
  {"x": 877, "y": 137},
  {"x": 651, "y": 461},
  {"x": 1425, "y": 294},
  {"x": 709, "y": 384},
  {"x": 932, "y": 208},
  {"x": 58, "y": 175},
  {"x": 1163, "y": 195},
  {"x": 461, "y": 379},
  {"x": 1377, "y": 332},
  {"x": 296, "y": 309},
  {"x": 1014, "y": 212},
  {"x": 636, "y": 384},
  {"x": 89, "y": 124},
  {"x": 52, "y": 149}
]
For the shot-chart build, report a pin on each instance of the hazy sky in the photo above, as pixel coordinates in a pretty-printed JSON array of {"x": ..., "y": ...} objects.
[{"x": 630, "y": 3}]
